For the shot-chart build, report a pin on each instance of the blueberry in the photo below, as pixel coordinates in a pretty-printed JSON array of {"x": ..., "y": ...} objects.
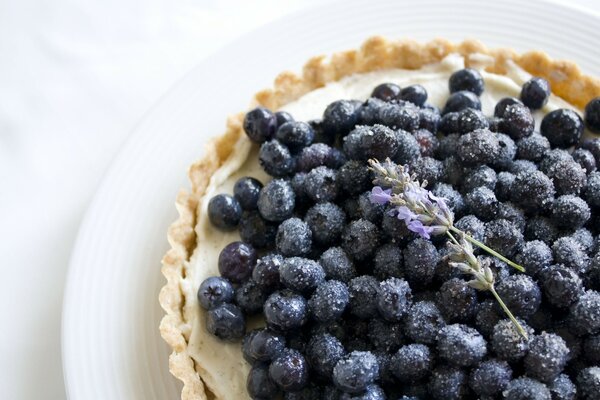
[
  {"x": 356, "y": 371},
  {"x": 429, "y": 119},
  {"x": 226, "y": 322},
  {"x": 294, "y": 238},
  {"x": 236, "y": 261},
  {"x": 394, "y": 298},
  {"x": 326, "y": 222},
  {"x": 224, "y": 211},
  {"x": 482, "y": 202},
  {"x": 562, "y": 127},
  {"x": 486, "y": 317},
  {"x": 562, "y": 388},
  {"x": 456, "y": 300},
  {"x": 260, "y": 124},
  {"x": 284, "y": 310},
  {"x": 329, "y": 301},
  {"x": 369, "y": 210},
  {"x": 506, "y": 155},
  {"x": 246, "y": 191},
  {"x": 449, "y": 123},
  {"x": 478, "y": 147},
  {"x": 521, "y": 294},
  {"x": 428, "y": 142},
  {"x": 276, "y": 200},
  {"x": 214, "y": 291},
  {"x": 337, "y": 265},
  {"x": 372, "y": 392},
  {"x": 386, "y": 91},
  {"x": 412, "y": 362},
  {"x": 508, "y": 343},
  {"x": 399, "y": 115},
  {"x": 454, "y": 200},
  {"x": 387, "y": 262},
  {"x": 259, "y": 385},
  {"x": 592, "y": 115},
  {"x": 366, "y": 142},
  {"x": 461, "y": 345},
  {"x": 310, "y": 392},
  {"x": 588, "y": 383},
  {"x": 354, "y": 177},
  {"x": 503, "y": 188},
  {"x": 584, "y": 315},
  {"x": 552, "y": 157},
  {"x": 295, "y": 135},
  {"x": 512, "y": 214},
  {"x": 368, "y": 113},
  {"x": 301, "y": 274},
  {"x": 420, "y": 260},
  {"x": 448, "y": 383},
  {"x": 535, "y": 93},
  {"x": 266, "y": 271},
  {"x": 501, "y": 105},
  {"x": 471, "y": 225},
  {"x": 469, "y": 120},
  {"x": 521, "y": 166},
  {"x": 423, "y": 322},
  {"x": 340, "y": 117},
  {"x": 569, "y": 252},
  {"x": 517, "y": 121},
  {"x": 480, "y": 176},
  {"x": 276, "y": 159},
  {"x": 289, "y": 371},
  {"x": 408, "y": 148},
  {"x": 591, "y": 348},
  {"x": 360, "y": 239},
  {"x": 593, "y": 146},
  {"x": 466, "y": 79},
  {"x": 526, "y": 389},
  {"x": 532, "y": 190},
  {"x": 541, "y": 228},
  {"x": 363, "y": 292},
  {"x": 321, "y": 184},
  {"x": 570, "y": 212},
  {"x": 561, "y": 285},
  {"x": 585, "y": 238},
  {"x": 585, "y": 159},
  {"x": 263, "y": 345},
  {"x": 461, "y": 100},
  {"x": 427, "y": 169},
  {"x": 546, "y": 358},
  {"x": 490, "y": 377},
  {"x": 534, "y": 256},
  {"x": 313, "y": 156},
  {"x": 533, "y": 147},
  {"x": 591, "y": 192},
  {"x": 283, "y": 117},
  {"x": 323, "y": 352},
  {"x": 250, "y": 297},
  {"x": 255, "y": 230},
  {"x": 415, "y": 94},
  {"x": 385, "y": 336},
  {"x": 568, "y": 177}
]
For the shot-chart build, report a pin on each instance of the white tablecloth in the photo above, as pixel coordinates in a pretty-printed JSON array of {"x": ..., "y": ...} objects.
[{"x": 75, "y": 76}]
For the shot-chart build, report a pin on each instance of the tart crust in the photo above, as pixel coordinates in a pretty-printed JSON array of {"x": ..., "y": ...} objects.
[{"x": 565, "y": 77}]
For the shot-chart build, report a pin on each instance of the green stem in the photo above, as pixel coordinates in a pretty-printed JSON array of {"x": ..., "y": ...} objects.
[
  {"x": 491, "y": 251},
  {"x": 510, "y": 315},
  {"x": 451, "y": 236}
]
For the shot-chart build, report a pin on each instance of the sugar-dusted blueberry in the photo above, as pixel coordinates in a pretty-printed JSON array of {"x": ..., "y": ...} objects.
[
  {"x": 490, "y": 377},
  {"x": 449, "y": 123},
  {"x": 226, "y": 321},
  {"x": 285, "y": 310},
  {"x": 340, "y": 117},
  {"x": 412, "y": 362},
  {"x": 591, "y": 192},
  {"x": 366, "y": 142},
  {"x": 504, "y": 181},
  {"x": 562, "y": 127},
  {"x": 329, "y": 301},
  {"x": 224, "y": 211},
  {"x": 518, "y": 166},
  {"x": 384, "y": 335},
  {"x": 394, "y": 298},
  {"x": 321, "y": 184},
  {"x": 408, "y": 148},
  {"x": 482, "y": 202},
  {"x": 469, "y": 120},
  {"x": 584, "y": 315},
  {"x": 337, "y": 265},
  {"x": 593, "y": 146},
  {"x": 313, "y": 156},
  {"x": 420, "y": 260},
  {"x": 534, "y": 256},
  {"x": 592, "y": 115},
  {"x": 257, "y": 231},
  {"x": 562, "y": 388},
  {"x": 584, "y": 237},
  {"x": 236, "y": 261},
  {"x": 570, "y": 211},
  {"x": 360, "y": 239},
  {"x": 535, "y": 93},
  {"x": 569, "y": 252},
  {"x": 428, "y": 142},
  {"x": 388, "y": 262},
  {"x": 504, "y": 102},
  {"x": 546, "y": 358},
  {"x": 356, "y": 371},
  {"x": 461, "y": 345},
  {"x": 486, "y": 317},
  {"x": 354, "y": 177},
  {"x": 512, "y": 214},
  {"x": 521, "y": 294},
  {"x": 363, "y": 293},
  {"x": 427, "y": 169},
  {"x": 479, "y": 176},
  {"x": 503, "y": 236},
  {"x": 290, "y": 371},
  {"x": 478, "y": 147},
  {"x": 526, "y": 388},
  {"x": 400, "y": 115},
  {"x": 507, "y": 153},
  {"x": 561, "y": 285},
  {"x": 214, "y": 291},
  {"x": 276, "y": 200},
  {"x": 460, "y": 100},
  {"x": 259, "y": 385},
  {"x": 263, "y": 345},
  {"x": 532, "y": 147},
  {"x": 453, "y": 170},
  {"x": 250, "y": 297},
  {"x": 415, "y": 94},
  {"x": 295, "y": 135},
  {"x": 517, "y": 121},
  {"x": 568, "y": 177},
  {"x": 369, "y": 210},
  {"x": 386, "y": 91},
  {"x": 246, "y": 191},
  {"x": 552, "y": 157},
  {"x": 294, "y": 238},
  {"x": 424, "y": 322},
  {"x": 326, "y": 222},
  {"x": 266, "y": 271},
  {"x": 456, "y": 300},
  {"x": 372, "y": 392},
  {"x": 532, "y": 190},
  {"x": 588, "y": 383},
  {"x": 541, "y": 228},
  {"x": 323, "y": 351},
  {"x": 260, "y": 124},
  {"x": 448, "y": 383},
  {"x": 508, "y": 343},
  {"x": 276, "y": 159},
  {"x": 429, "y": 118},
  {"x": 301, "y": 274},
  {"x": 466, "y": 79}
]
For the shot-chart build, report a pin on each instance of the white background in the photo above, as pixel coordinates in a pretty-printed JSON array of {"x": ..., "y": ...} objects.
[{"x": 75, "y": 76}]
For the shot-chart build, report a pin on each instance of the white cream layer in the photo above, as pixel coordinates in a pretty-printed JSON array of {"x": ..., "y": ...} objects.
[{"x": 221, "y": 364}]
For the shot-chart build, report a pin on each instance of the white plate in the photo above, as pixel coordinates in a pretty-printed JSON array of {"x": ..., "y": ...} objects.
[{"x": 111, "y": 345}]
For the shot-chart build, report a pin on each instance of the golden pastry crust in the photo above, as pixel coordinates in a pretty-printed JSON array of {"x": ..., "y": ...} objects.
[{"x": 566, "y": 80}]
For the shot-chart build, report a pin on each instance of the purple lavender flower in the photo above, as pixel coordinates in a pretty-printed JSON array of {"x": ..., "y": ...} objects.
[
  {"x": 404, "y": 214},
  {"x": 380, "y": 196},
  {"x": 422, "y": 230}
]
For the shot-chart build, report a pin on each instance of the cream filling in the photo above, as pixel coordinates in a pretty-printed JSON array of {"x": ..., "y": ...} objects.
[{"x": 221, "y": 364}]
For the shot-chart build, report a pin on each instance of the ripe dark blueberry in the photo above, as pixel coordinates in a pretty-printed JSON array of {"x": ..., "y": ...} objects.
[
  {"x": 552, "y": 157},
  {"x": 449, "y": 123},
  {"x": 453, "y": 171},
  {"x": 592, "y": 115},
  {"x": 356, "y": 371},
  {"x": 456, "y": 300},
  {"x": 535, "y": 93},
  {"x": 562, "y": 127},
  {"x": 448, "y": 383},
  {"x": 262, "y": 345},
  {"x": 224, "y": 211},
  {"x": 522, "y": 166},
  {"x": 285, "y": 310},
  {"x": 568, "y": 177},
  {"x": 424, "y": 322},
  {"x": 480, "y": 176},
  {"x": 399, "y": 115},
  {"x": 494, "y": 124},
  {"x": 591, "y": 348},
  {"x": 472, "y": 225},
  {"x": 283, "y": 117},
  {"x": 507, "y": 342},
  {"x": 408, "y": 148},
  {"x": 526, "y": 389},
  {"x": 313, "y": 156},
  {"x": 460, "y": 100},
  {"x": 512, "y": 214},
  {"x": 412, "y": 362},
  {"x": 301, "y": 274},
  {"x": 541, "y": 228},
  {"x": 368, "y": 210},
  {"x": 260, "y": 124},
  {"x": 294, "y": 238},
  {"x": 482, "y": 202},
  {"x": 585, "y": 238},
  {"x": 276, "y": 200},
  {"x": 593, "y": 146},
  {"x": 388, "y": 262},
  {"x": 454, "y": 199},
  {"x": 562, "y": 388},
  {"x": 372, "y": 392},
  {"x": 588, "y": 383},
  {"x": 490, "y": 377},
  {"x": 394, "y": 298},
  {"x": 354, "y": 177},
  {"x": 584, "y": 315},
  {"x": 517, "y": 121},
  {"x": 428, "y": 142},
  {"x": 326, "y": 222},
  {"x": 569, "y": 252},
  {"x": 321, "y": 184},
  {"x": 561, "y": 285},
  {"x": 533, "y": 147},
  {"x": 259, "y": 385},
  {"x": 585, "y": 159},
  {"x": 289, "y": 371},
  {"x": 570, "y": 212},
  {"x": 266, "y": 271},
  {"x": 214, "y": 291},
  {"x": 250, "y": 297},
  {"x": 508, "y": 150},
  {"x": 534, "y": 256},
  {"x": 276, "y": 159},
  {"x": 521, "y": 295},
  {"x": 323, "y": 352},
  {"x": 363, "y": 292},
  {"x": 415, "y": 94},
  {"x": 591, "y": 192},
  {"x": 532, "y": 190},
  {"x": 386, "y": 91},
  {"x": 368, "y": 113},
  {"x": 340, "y": 117},
  {"x": 246, "y": 191},
  {"x": 429, "y": 119},
  {"x": 486, "y": 317},
  {"x": 478, "y": 147},
  {"x": 337, "y": 265},
  {"x": 461, "y": 345},
  {"x": 385, "y": 336},
  {"x": 329, "y": 301},
  {"x": 226, "y": 321},
  {"x": 504, "y": 181},
  {"x": 466, "y": 79},
  {"x": 546, "y": 358},
  {"x": 500, "y": 107},
  {"x": 469, "y": 120},
  {"x": 295, "y": 135},
  {"x": 256, "y": 231},
  {"x": 420, "y": 260},
  {"x": 236, "y": 261},
  {"x": 360, "y": 239},
  {"x": 366, "y": 142}
]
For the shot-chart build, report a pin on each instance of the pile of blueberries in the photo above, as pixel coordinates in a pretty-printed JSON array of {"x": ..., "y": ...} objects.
[{"x": 358, "y": 307}]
